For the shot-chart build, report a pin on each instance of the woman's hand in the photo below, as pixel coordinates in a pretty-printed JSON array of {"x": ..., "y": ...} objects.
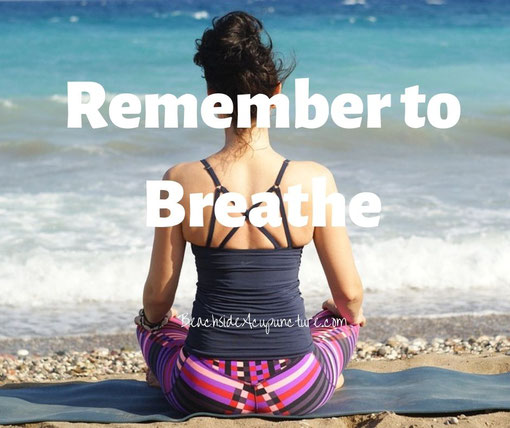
[
  {"x": 331, "y": 307},
  {"x": 359, "y": 318}
]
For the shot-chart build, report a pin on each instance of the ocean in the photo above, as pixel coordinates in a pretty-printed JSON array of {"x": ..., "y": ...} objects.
[{"x": 74, "y": 248}]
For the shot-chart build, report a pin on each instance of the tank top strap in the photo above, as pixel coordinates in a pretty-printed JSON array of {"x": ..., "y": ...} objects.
[
  {"x": 213, "y": 175},
  {"x": 281, "y": 172},
  {"x": 276, "y": 188},
  {"x": 219, "y": 189}
]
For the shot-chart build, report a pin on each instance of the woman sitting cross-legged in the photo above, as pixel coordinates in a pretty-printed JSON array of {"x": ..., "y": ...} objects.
[{"x": 248, "y": 347}]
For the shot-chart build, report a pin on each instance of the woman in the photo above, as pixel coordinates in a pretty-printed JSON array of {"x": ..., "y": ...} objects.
[{"x": 247, "y": 273}]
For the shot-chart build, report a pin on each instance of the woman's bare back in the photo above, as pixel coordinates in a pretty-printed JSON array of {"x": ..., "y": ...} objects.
[{"x": 247, "y": 176}]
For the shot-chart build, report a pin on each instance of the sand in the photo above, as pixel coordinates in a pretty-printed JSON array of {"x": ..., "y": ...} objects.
[{"x": 486, "y": 363}]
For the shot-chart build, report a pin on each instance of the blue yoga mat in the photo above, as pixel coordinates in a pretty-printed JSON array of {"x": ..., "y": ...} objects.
[{"x": 421, "y": 390}]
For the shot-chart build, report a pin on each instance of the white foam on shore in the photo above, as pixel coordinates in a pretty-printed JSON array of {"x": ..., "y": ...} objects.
[
  {"x": 352, "y": 2},
  {"x": 80, "y": 256},
  {"x": 6, "y": 103},
  {"x": 67, "y": 247},
  {"x": 201, "y": 14},
  {"x": 47, "y": 275},
  {"x": 426, "y": 262}
]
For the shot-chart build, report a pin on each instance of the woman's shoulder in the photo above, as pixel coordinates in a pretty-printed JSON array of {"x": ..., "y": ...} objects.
[
  {"x": 304, "y": 171},
  {"x": 309, "y": 167},
  {"x": 183, "y": 171}
]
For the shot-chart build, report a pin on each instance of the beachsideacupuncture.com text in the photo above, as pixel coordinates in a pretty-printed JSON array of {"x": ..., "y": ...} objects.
[
  {"x": 84, "y": 99},
  {"x": 252, "y": 322}
]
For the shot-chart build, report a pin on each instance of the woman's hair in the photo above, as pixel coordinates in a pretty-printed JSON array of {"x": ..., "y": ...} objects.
[{"x": 235, "y": 60}]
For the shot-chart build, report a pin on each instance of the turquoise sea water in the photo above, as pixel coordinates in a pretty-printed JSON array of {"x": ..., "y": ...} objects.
[{"x": 72, "y": 202}]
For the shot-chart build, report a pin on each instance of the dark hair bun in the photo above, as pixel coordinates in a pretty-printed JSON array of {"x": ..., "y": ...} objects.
[{"x": 235, "y": 60}]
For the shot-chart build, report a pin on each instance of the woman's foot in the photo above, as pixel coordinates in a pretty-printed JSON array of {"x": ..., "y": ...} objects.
[
  {"x": 339, "y": 382},
  {"x": 152, "y": 379}
]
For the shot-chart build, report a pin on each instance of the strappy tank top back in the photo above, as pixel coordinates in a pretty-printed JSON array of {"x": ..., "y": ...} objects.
[{"x": 248, "y": 305}]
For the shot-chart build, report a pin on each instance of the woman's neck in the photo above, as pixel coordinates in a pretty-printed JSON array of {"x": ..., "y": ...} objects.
[{"x": 254, "y": 142}]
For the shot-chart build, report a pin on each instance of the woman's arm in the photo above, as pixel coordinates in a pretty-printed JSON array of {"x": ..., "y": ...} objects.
[
  {"x": 165, "y": 268},
  {"x": 335, "y": 253}
]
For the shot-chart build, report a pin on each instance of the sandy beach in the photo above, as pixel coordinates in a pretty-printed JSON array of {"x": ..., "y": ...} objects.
[
  {"x": 97, "y": 357},
  {"x": 484, "y": 363}
]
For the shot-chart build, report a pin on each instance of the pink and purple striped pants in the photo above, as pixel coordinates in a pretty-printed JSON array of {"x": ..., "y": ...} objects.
[{"x": 287, "y": 386}]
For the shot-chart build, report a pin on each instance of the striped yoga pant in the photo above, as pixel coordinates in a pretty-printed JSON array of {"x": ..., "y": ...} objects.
[{"x": 287, "y": 386}]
